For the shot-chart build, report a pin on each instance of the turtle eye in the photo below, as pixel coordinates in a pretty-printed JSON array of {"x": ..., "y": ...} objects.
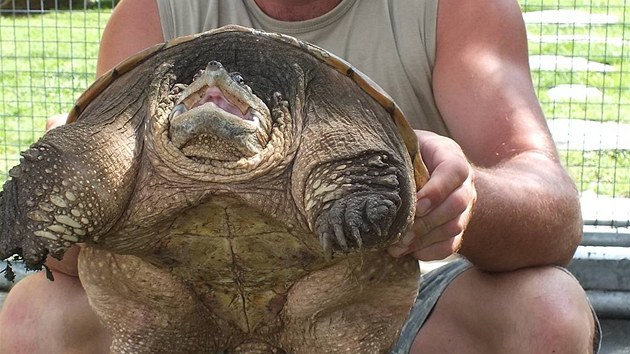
[
  {"x": 237, "y": 78},
  {"x": 197, "y": 75}
]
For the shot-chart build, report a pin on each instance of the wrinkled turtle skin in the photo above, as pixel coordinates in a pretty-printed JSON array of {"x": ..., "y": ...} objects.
[{"x": 235, "y": 191}]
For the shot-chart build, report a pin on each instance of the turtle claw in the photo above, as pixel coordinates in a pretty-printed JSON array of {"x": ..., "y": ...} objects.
[
  {"x": 340, "y": 237},
  {"x": 9, "y": 274},
  {"x": 327, "y": 246},
  {"x": 356, "y": 221},
  {"x": 356, "y": 236}
]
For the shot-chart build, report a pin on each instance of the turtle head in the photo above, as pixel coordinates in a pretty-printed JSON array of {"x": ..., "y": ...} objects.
[{"x": 217, "y": 117}]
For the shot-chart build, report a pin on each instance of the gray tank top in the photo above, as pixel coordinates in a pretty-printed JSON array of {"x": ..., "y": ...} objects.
[{"x": 392, "y": 41}]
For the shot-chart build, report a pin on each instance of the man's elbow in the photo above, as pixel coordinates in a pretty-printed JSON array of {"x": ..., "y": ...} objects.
[{"x": 570, "y": 226}]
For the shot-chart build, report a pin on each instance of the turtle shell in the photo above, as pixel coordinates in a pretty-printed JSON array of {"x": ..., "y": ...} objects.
[{"x": 421, "y": 174}]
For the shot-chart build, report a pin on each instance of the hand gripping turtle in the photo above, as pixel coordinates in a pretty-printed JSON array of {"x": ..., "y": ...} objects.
[{"x": 234, "y": 192}]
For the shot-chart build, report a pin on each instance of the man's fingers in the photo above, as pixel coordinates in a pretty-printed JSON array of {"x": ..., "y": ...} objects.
[
  {"x": 453, "y": 206},
  {"x": 68, "y": 264},
  {"x": 439, "y": 250},
  {"x": 444, "y": 224},
  {"x": 411, "y": 244},
  {"x": 448, "y": 167},
  {"x": 443, "y": 205}
]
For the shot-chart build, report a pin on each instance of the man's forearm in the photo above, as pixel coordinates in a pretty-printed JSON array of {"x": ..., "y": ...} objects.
[{"x": 523, "y": 216}]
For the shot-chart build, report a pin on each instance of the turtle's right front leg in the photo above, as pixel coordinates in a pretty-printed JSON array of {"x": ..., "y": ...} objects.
[{"x": 355, "y": 203}]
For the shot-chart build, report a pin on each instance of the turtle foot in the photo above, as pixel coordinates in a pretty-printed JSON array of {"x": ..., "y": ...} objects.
[{"x": 355, "y": 221}]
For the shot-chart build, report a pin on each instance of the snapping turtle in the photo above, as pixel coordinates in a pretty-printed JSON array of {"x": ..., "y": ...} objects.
[{"x": 234, "y": 191}]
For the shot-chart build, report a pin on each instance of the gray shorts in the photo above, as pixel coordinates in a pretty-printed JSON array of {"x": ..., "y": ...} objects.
[{"x": 432, "y": 285}]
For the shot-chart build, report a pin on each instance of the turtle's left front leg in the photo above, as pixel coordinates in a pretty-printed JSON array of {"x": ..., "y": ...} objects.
[{"x": 357, "y": 202}]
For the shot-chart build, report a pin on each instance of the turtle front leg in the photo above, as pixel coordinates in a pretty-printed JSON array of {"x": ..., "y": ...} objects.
[
  {"x": 355, "y": 203},
  {"x": 70, "y": 187}
]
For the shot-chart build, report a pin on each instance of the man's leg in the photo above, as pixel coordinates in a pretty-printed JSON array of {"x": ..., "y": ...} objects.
[
  {"x": 537, "y": 310},
  {"x": 40, "y": 316}
]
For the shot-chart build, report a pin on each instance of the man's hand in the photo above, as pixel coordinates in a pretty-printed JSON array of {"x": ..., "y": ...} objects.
[
  {"x": 444, "y": 204},
  {"x": 55, "y": 121}
]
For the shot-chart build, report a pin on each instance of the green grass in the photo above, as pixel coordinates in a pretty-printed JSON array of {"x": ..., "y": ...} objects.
[
  {"x": 602, "y": 6},
  {"x": 615, "y": 86},
  {"x": 603, "y": 172},
  {"x": 47, "y": 60},
  {"x": 615, "y": 51}
]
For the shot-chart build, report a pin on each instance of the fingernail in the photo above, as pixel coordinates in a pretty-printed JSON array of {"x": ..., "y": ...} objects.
[
  {"x": 408, "y": 238},
  {"x": 423, "y": 206},
  {"x": 396, "y": 251}
]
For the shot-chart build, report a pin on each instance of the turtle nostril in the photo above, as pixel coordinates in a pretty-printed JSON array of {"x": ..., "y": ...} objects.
[{"x": 214, "y": 65}]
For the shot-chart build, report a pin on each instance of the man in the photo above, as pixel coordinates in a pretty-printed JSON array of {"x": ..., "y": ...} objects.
[{"x": 497, "y": 194}]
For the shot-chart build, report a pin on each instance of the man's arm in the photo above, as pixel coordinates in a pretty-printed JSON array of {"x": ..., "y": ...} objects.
[
  {"x": 134, "y": 26},
  {"x": 527, "y": 209}
]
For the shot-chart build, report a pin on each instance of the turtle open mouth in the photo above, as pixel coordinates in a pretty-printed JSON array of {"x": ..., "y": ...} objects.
[
  {"x": 217, "y": 117},
  {"x": 214, "y": 96}
]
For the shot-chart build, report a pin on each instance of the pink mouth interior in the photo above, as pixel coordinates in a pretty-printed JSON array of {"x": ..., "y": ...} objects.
[{"x": 214, "y": 95}]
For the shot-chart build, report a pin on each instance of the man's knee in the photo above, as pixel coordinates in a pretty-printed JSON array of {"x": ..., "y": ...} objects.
[
  {"x": 570, "y": 313},
  {"x": 552, "y": 308},
  {"x": 19, "y": 322},
  {"x": 529, "y": 310},
  {"x": 40, "y": 316},
  {"x": 541, "y": 308}
]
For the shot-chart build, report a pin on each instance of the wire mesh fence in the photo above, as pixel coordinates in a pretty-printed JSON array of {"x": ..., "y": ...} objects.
[
  {"x": 48, "y": 54},
  {"x": 580, "y": 59},
  {"x": 579, "y": 54}
]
